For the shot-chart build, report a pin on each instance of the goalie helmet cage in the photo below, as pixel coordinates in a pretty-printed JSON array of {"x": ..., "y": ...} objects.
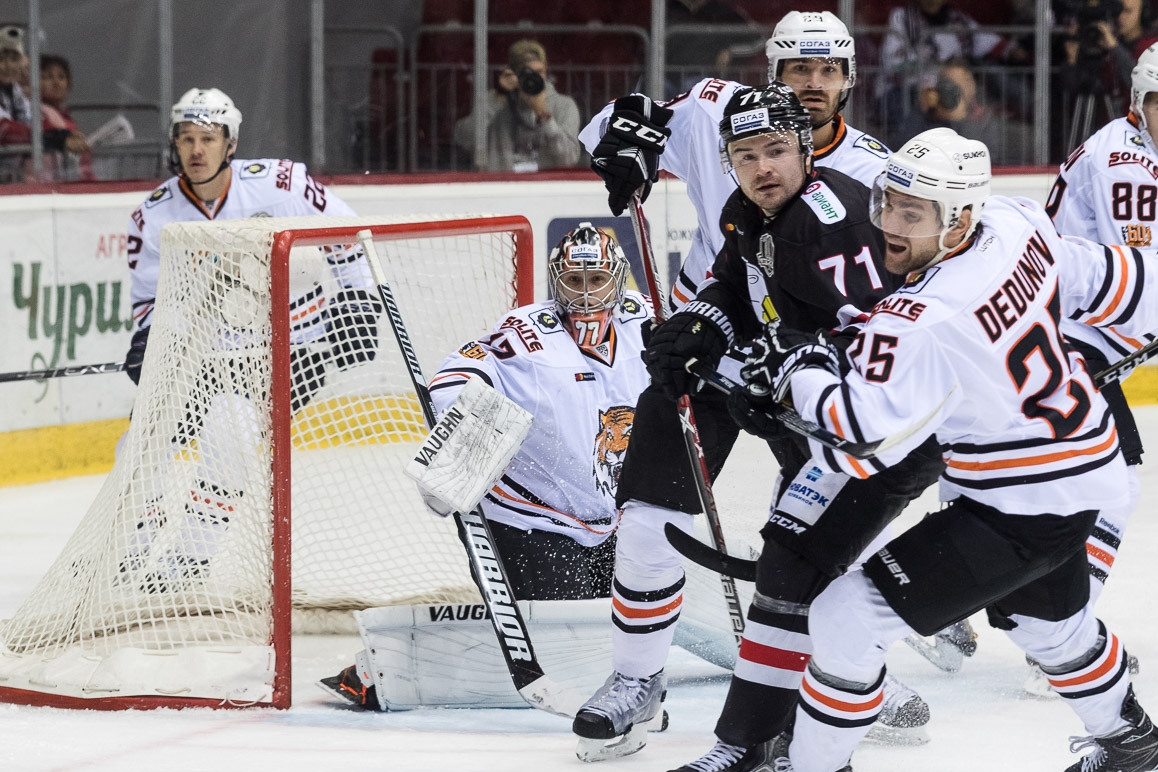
[{"x": 176, "y": 590}]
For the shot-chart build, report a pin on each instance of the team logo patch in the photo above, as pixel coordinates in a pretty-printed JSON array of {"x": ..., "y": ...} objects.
[
  {"x": 473, "y": 350},
  {"x": 632, "y": 308},
  {"x": 815, "y": 47},
  {"x": 899, "y": 174},
  {"x": 158, "y": 195},
  {"x": 917, "y": 281},
  {"x": 581, "y": 377},
  {"x": 766, "y": 255},
  {"x": 611, "y": 446},
  {"x": 255, "y": 170},
  {"x": 1136, "y": 235},
  {"x": 873, "y": 145},
  {"x": 1135, "y": 139},
  {"x": 751, "y": 120},
  {"x": 820, "y": 199},
  {"x": 546, "y": 322}
]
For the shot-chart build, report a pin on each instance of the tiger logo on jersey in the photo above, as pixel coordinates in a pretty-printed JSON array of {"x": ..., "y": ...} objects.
[{"x": 611, "y": 446}]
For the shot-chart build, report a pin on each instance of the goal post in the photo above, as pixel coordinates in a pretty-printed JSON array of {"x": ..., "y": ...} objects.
[{"x": 260, "y": 481}]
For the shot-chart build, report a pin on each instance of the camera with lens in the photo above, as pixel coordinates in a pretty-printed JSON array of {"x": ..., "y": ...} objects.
[
  {"x": 1086, "y": 14},
  {"x": 531, "y": 83}
]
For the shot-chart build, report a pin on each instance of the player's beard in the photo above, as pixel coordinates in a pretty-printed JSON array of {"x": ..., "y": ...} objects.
[{"x": 820, "y": 117}]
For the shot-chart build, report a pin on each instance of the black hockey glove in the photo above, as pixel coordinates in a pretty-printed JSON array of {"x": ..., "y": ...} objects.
[
  {"x": 136, "y": 354},
  {"x": 778, "y": 354},
  {"x": 756, "y": 415},
  {"x": 308, "y": 375},
  {"x": 690, "y": 334},
  {"x": 352, "y": 329},
  {"x": 627, "y": 157}
]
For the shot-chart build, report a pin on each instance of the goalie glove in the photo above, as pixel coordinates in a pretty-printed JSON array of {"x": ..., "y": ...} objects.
[
  {"x": 468, "y": 449},
  {"x": 767, "y": 372},
  {"x": 352, "y": 327},
  {"x": 627, "y": 157}
]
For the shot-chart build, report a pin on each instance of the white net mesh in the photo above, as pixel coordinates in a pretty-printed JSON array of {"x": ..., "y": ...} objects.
[{"x": 174, "y": 557}]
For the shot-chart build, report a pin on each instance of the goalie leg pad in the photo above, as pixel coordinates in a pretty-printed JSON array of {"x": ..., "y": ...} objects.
[{"x": 448, "y": 656}]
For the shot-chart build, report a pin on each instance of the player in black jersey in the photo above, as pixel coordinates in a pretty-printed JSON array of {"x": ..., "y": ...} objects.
[{"x": 798, "y": 246}]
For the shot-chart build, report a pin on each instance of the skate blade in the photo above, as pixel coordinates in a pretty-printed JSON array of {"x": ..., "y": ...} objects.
[
  {"x": 895, "y": 735},
  {"x": 632, "y": 741},
  {"x": 945, "y": 656}
]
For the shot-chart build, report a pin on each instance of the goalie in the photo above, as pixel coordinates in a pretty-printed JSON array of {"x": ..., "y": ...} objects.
[
  {"x": 330, "y": 331},
  {"x": 574, "y": 364}
]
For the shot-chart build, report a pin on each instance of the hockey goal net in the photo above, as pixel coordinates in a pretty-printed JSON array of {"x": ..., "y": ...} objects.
[{"x": 261, "y": 475}]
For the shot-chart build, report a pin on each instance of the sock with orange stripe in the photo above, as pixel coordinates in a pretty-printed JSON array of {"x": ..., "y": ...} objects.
[{"x": 832, "y": 717}]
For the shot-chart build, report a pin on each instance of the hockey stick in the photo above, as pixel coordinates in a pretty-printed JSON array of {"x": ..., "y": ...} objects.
[
  {"x": 1111, "y": 373},
  {"x": 485, "y": 565},
  {"x": 63, "y": 372},
  {"x": 688, "y": 425}
]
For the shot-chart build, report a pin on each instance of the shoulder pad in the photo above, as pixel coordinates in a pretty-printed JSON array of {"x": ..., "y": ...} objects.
[
  {"x": 872, "y": 145},
  {"x": 160, "y": 194}
]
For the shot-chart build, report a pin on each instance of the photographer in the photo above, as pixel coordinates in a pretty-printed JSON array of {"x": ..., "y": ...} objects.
[
  {"x": 538, "y": 128},
  {"x": 1102, "y": 42},
  {"x": 948, "y": 98}
]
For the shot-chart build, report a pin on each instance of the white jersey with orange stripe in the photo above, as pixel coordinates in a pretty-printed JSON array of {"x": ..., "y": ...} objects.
[
  {"x": 974, "y": 342},
  {"x": 1107, "y": 191},
  {"x": 266, "y": 187},
  {"x": 564, "y": 477},
  {"x": 693, "y": 154}
]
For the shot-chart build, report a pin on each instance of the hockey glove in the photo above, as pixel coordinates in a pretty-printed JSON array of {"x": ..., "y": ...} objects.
[
  {"x": 308, "y": 373},
  {"x": 756, "y": 416},
  {"x": 767, "y": 372},
  {"x": 627, "y": 157},
  {"x": 136, "y": 355},
  {"x": 352, "y": 329},
  {"x": 693, "y": 333}
]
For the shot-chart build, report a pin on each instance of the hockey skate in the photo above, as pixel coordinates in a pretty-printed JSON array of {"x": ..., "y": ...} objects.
[
  {"x": 949, "y": 648},
  {"x": 735, "y": 758},
  {"x": 349, "y": 686},
  {"x": 1132, "y": 749},
  {"x": 617, "y": 718},
  {"x": 903, "y": 716}
]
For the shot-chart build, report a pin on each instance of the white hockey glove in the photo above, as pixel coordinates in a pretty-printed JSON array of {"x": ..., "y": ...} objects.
[{"x": 468, "y": 449}]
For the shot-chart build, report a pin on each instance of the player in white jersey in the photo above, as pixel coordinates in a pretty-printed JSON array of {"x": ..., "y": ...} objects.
[
  {"x": 811, "y": 52},
  {"x": 573, "y": 363},
  {"x": 969, "y": 351},
  {"x": 337, "y": 332}
]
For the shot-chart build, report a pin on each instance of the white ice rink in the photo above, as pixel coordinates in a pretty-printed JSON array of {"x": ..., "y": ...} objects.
[{"x": 981, "y": 719}]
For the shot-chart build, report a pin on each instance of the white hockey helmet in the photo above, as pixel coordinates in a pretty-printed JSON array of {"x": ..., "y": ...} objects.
[
  {"x": 581, "y": 252},
  {"x": 1143, "y": 80},
  {"x": 941, "y": 166},
  {"x": 811, "y": 35},
  {"x": 205, "y": 107}
]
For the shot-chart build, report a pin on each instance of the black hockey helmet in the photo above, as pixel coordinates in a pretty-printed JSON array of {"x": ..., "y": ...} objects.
[{"x": 762, "y": 110}]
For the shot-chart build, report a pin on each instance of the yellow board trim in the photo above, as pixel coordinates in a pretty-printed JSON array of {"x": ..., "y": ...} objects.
[{"x": 54, "y": 452}]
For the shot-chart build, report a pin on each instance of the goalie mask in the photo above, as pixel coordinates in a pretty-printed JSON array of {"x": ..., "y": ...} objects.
[
  {"x": 938, "y": 165},
  {"x": 587, "y": 272},
  {"x": 813, "y": 51},
  {"x": 206, "y": 108}
]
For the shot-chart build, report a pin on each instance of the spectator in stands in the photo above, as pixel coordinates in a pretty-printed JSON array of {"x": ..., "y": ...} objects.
[
  {"x": 705, "y": 52},
  {"x": 924, "y": 33},
  {"x": 538, "y": 128},
  {"x": 948, "y": 98},
  {"x": 506, "y": 84},
  {"x": 15, "y": 112},
  {"x": 74, "y": 161}
]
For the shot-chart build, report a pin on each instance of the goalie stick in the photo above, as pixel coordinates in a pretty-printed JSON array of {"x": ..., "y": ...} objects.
[
  {"x": 486, "y": 568},
  {"x": 62, "y": 372},
  {"x": 1114, "y": 371},
  {"x": 688, "y": 425}
]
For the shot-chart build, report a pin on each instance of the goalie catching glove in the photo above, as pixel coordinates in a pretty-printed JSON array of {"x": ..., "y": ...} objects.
[
  {"x": 627, "y": 157},
  {"x": 468, "y": 449}
]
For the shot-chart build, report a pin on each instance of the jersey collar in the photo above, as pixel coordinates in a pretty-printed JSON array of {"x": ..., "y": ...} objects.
[
  {"x": 837, "y": 138},
  {"x": 187, "y": 190}
]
